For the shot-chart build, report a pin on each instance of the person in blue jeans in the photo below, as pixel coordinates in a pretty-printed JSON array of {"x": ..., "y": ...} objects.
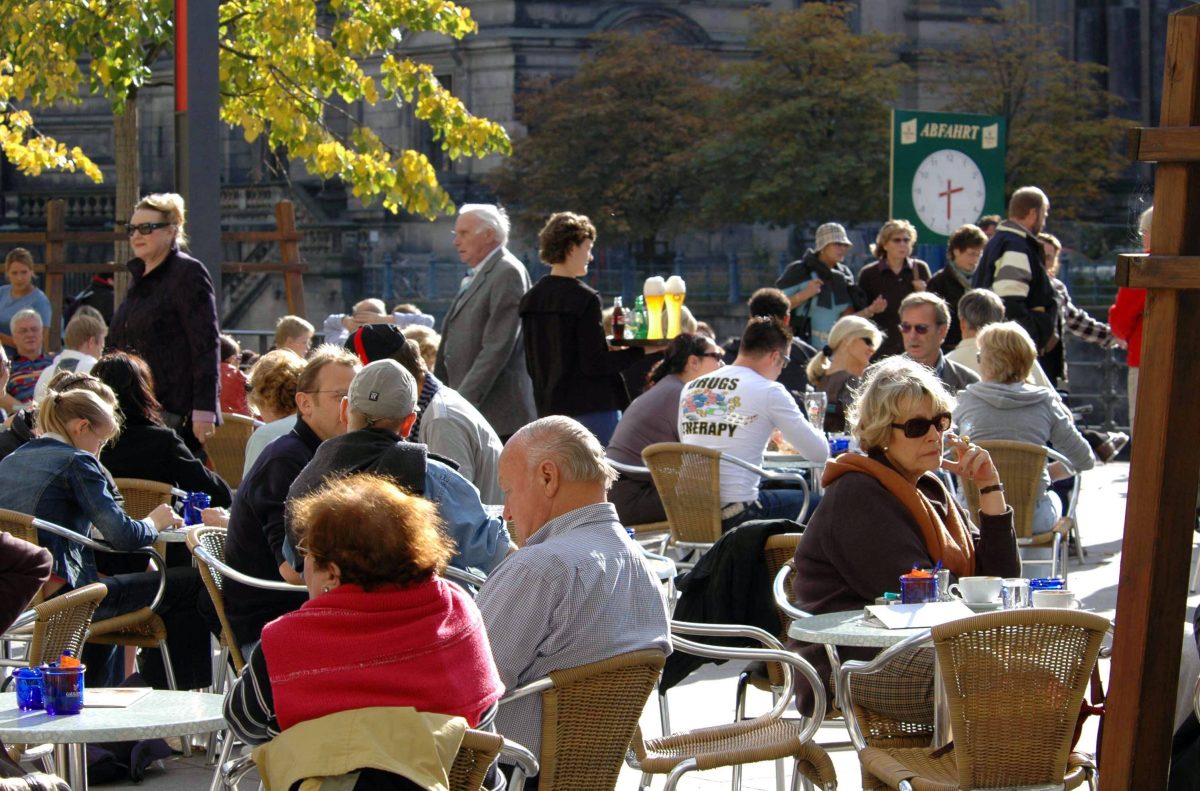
[{"x": 57, "y": 477}]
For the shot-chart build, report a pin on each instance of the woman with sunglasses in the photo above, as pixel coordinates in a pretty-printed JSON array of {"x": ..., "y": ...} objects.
[
  {"x": 836, "y": 369},
  {"x": 169, "y": 319},
  {"x": 654, "y": 417},
  {"x": 885, "y": 512},
  {"x": 893, "y": 277},
  {"x": 1003, "y": 406}
]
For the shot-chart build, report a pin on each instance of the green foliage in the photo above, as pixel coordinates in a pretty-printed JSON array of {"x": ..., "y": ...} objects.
[
  {"x": 286, "y": 72},
  {"x": 805, "y": 132},
  {"x": 617, "y": 141},
  {"x": 1061, "y": 130}
]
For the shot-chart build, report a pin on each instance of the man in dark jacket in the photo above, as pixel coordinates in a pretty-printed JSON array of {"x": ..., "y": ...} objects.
[
  {"x": 821, "y": 289},
  {"x": 1013, "y": 266},
  {"x": 774, "y": 303},
  {"x": 378, "y": 411}
]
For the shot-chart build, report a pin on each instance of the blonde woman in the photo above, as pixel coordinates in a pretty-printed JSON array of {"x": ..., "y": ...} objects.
[
  {"x": 273, "y": 382},
  {"x": 894, "y": 276},
  {"x": 169, "y": 319},
  {"x": 836, "y": 368},
  {"x": 57, "y": 477}
]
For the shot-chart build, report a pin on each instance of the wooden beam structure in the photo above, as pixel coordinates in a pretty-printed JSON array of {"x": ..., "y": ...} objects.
[
  {"x": 54, "y": 266},
  {"x": 1160, "y": 514}
]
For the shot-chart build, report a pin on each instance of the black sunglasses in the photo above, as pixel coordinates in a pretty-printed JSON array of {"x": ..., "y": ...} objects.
[
  {"x": 918, "y": 427},
  {"x": 920, "y": 329},
  {"x": 146, "y": 228}
]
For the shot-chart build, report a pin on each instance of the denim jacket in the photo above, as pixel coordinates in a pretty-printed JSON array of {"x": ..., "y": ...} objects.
[{"x": 51, "y": 480}]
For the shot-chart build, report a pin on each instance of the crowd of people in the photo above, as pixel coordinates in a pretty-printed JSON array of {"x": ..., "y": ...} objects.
[{"x": 390, "y": 452}]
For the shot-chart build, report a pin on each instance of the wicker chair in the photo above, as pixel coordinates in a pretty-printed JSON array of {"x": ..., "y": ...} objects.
[
  {"x": 212, "y": 539},
  {"x": 765, "y": 738},
  {"x": 589, "y": 715},
  {"x": 56, "y": 626},
  {"x": 1014, "y": 681},
  {"x": 655, "y": 534},
  {"x": 142, "y": 496},
  {"x": 1021, "y": 465},
  {"x": 227, "y": 446},
  {"x": 688, "y": 478},
  {"x": 141, "y": 628}
]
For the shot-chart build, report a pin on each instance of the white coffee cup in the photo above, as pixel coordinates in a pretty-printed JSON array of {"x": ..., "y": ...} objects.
[
  {"x": 1055, "y": 599},
  {"x": 977, "y": 590}
]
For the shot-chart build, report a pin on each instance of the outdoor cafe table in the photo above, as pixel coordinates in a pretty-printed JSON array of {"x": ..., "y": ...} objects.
[
  {"x": 792, "y": 462},
  {"x": 848, "y": 629},
  {"x": 161, "y": 713}
]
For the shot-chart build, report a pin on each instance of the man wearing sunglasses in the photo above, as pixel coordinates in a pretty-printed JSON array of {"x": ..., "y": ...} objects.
[
  {"x": 736, "y": 408},
  {"x": 924, "y": 322}
]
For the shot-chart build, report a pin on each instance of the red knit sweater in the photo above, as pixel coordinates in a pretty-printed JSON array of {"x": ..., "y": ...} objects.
[
  {"x": 1125, "y": 318},
  {"x": 422, "y": 646}
]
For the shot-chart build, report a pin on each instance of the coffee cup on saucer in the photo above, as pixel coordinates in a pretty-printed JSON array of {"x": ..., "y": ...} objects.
[
  {"x": 977, "y": 590},
  {"x": 1055, "y": 599}
]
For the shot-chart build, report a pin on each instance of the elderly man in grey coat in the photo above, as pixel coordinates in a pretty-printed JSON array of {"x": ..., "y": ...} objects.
[{"x": 482, "y": 356}]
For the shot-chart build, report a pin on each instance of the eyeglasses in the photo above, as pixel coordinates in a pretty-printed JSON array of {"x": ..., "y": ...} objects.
[
  {"x": 302, "y": 551},
  {"x": 918, "y": 427},
  {"x": 146, "y": 228},
  {"x": 901, "y": 239},
  {"x": 784, "y": 360},
  {"x": 920, "y": 329},
  {"x": 714, "y": 355},
  {"x": 338, "y": 393}
]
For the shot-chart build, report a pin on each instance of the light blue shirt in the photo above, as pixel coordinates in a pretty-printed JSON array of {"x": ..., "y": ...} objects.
[{"x": 9, "y": 307}]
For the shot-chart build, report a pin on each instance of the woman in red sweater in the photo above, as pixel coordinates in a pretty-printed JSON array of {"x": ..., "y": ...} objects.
[
  {"x": 1125, "y": 318},
  {"x": 380, "y": 628}
]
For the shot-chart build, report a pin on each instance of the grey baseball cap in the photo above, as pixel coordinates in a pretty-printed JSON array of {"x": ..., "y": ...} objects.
[{"x": 383, "y": 390}]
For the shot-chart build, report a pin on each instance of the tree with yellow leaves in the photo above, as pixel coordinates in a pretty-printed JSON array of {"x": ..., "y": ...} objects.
[{"x": 286, "y": 69}]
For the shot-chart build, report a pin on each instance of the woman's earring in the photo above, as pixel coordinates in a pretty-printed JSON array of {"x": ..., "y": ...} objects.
[{"x": 325, "y": 589}]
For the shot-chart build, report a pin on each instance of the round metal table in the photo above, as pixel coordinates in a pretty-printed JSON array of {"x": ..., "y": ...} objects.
[
  {"x": 159, "y": 714},
  {"x": 846, "y": 629}
]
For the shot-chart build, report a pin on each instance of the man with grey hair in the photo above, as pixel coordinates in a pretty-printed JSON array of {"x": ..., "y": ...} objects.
[
  {"x": 482, "y": 356},
  {"x": 1014, "y": 266},
  {"x": 379, "y": 409},
  {"x": 29, "y": 361},
  {"x": 978, "y": 308},
  {"x": 924, "y": 322},
  {"x": 577, "y": 590}
]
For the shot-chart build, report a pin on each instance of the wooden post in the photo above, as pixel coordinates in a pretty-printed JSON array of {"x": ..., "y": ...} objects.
[
  {"x": 1160, "y": 514},
  {"x": 56, "y": 256},
  {"x": 289, "y": 256}
]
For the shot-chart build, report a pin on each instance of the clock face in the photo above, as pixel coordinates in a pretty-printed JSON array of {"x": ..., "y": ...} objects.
[{"x": 948, "y": 191}]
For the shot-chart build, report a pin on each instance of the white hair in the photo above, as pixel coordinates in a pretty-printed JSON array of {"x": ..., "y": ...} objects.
[
  {"x": 491, "y": 216},
  {"x": 569, "y": 445},
  {"x": 21, "y": 315}
]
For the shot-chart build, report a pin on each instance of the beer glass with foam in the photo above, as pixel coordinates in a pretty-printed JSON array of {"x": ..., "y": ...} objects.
[
  {"x": 654, "y": 290},
  {"x": 676, "y": 292}
]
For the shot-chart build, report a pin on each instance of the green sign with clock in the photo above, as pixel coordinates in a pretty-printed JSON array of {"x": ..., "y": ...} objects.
[{"x": 947, "y": 170}]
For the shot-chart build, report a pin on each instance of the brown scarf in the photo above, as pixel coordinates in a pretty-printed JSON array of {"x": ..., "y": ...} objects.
[{"x": 948, "y": 541}]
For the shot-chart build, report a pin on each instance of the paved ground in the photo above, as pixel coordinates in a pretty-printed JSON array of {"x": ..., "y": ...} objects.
[{"x": 707, "y": 697}]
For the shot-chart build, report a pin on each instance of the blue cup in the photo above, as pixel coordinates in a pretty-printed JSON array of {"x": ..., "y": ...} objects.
[
  {"x": 1047, "y": 584},
  {"x": 62, "y": 689},
  {"x": 918, "y": 588},
  {"x": 29, "y": 688},
  {"x": 195, "y": 503}
]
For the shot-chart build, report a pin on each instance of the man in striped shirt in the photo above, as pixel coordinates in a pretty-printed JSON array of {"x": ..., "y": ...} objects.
[
  {"x": 1013, "y": 266},
  {"x": 577, "y": 590}
]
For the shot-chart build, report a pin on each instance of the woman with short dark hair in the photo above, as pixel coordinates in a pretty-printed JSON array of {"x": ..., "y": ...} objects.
[
  {"x": 380, "y": 628},
  {"x": 574, "y": 372}
]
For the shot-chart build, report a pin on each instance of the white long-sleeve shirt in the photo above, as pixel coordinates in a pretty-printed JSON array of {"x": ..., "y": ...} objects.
[{"x": 734, "y": 410}]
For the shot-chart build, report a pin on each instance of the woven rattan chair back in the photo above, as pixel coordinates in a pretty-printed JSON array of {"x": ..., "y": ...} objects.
[
  {"x": 62, "y": 623},
  {"x": 227, "y": 446},
  {"x": 688, "y": 480},
  {"x": 475, "y": 755},
  {"x": 1014, "y": 682},
  {"x": 589, "y": 718},
  {"x": 213, "y": 541},
  {"x": 1020, "y": 465},
  {"x": 142, "y": 496},
  {"x": 777, "y": 552},
  {"x": 18, "y": 524}
]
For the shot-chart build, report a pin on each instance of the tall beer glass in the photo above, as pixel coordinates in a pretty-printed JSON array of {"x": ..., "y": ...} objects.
[
  {"x": 676, "y": 292},
  {"x": 654, "y": 291}
]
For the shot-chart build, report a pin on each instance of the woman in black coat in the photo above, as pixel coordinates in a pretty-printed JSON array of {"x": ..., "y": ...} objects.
[{"x": 169, "y": 318}]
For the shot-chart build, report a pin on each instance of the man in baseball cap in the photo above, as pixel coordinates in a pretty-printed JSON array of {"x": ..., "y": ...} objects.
[
  {"x": 448, "y": 424},
  {"x": 379, "y": 410},
  {"x": 820, "y": 288}
]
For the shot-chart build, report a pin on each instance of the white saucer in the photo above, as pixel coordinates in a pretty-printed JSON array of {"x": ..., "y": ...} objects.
[{"x": 984, "y": 606}]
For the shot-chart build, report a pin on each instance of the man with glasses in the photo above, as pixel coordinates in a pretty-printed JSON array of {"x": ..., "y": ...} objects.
[
  {"x": 924, "y": 322},
  {"x": 254, "y": 541},
  {"x": 735, "y": 410}
]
